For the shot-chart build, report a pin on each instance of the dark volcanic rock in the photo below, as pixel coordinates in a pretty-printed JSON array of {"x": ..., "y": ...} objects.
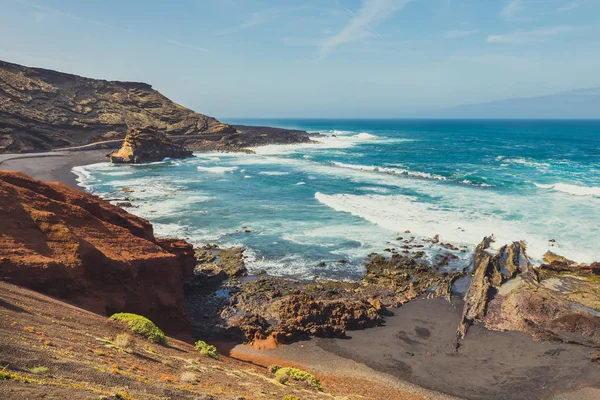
[
  {"x": 244, "y": 137},
  {"x": 282, "y": 310},
  {"x": 507, "y": 293},
  {"x": 276, "y": 310},
  {"x": 43, "y": 109},
  {"x": 147, "y": 145},
  {"x": 75, "y": 246}
]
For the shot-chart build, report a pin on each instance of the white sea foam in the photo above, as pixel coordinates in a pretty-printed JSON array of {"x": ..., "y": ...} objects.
[
  {"x": 464, "y": 224},
  {"x": 375, "y": 189},
  {"x": 119, "y": 173},
  {"x": 300, "y": 183},
  {"x": 390, "y": 171},
  {"x": 576, "y": 190},
  {"x": 527, "y": 162},
  {"x": 217, "y": 170},
  {"x": 319, "y": 142},
  {"x": 295, "y": 265},
  {"x": 273, "y": 173}
]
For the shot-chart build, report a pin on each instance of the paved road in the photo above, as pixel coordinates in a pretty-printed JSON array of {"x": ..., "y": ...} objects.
[
  {"x": 88, "y": 146},
  {"x": 55, "y": 152}
]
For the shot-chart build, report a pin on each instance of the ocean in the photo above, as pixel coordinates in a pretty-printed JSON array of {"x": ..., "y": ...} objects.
[{"x": 300, "y": 209}]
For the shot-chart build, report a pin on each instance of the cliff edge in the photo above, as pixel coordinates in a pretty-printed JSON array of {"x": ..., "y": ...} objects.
[
  {"x": 74, "y": 246},
  {"x": 42, "y": 109}
]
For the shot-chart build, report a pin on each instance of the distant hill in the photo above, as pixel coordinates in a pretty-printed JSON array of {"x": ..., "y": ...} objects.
[
  {"x": 42, "y": 109},
  {"x": 575, "y": 104}
]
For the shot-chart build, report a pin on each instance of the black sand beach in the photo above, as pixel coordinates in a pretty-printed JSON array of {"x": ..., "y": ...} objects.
[
  {"x": 52, "y": 166},
  {"x": 415, "y": 346}
]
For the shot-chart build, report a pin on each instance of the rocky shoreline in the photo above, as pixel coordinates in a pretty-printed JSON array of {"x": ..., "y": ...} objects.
[
  {"x": 560, "y": 304},
  {"x": 225, "y": 303}
]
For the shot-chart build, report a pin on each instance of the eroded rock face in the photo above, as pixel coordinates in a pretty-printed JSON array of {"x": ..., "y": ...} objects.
[
  {"x": 279, "y": 310},
  {"x": 42, "y": 109},
  {"x": 147, "y": 145},
  {"x": 284, "y": 310},
  {"x": 75, "y": 246},
  {"x": 560, "y": 301}
]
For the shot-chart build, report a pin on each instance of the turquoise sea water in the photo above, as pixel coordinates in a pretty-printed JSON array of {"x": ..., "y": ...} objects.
[{"x": 368, "y": 181}]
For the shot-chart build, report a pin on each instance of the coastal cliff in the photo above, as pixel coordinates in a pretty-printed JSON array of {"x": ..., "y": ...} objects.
[
  {"x": 42, "y": 109},
  {"x": 74, "y": 246}
]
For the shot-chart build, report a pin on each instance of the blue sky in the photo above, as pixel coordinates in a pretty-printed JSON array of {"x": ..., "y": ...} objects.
[{"x": 315, "y": 58}]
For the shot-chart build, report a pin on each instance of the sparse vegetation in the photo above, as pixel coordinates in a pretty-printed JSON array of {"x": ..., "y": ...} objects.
[
  {"x": 206, "y": 349},
  {"x": 142, "y": 326},
  {"x": 124, "y": 342},
  {"x": 283, "y": 375},
  {"x": 290, "y": 397},
  {"x": 188, "y": 377},
  {"x": 40, "y": 370}
]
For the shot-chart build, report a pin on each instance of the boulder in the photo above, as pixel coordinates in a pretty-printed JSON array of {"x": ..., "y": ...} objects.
[
  {"x": 147, "y": 145},
  {"x": 72, "y": 245}
]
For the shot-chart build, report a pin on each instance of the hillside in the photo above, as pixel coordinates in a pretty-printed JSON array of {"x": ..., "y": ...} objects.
[
  {"x": 72, "y": 245},
  {"x": 42, "y": 109},
  {"x": 573, "y": 104}
]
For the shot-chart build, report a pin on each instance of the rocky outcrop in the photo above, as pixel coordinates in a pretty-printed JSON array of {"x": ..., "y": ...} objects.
[
  {"x": 554, "y": 262},
  {"x": 43, "y": 109},
  {"x": 246, "y": 136},
  {"x": 506, "y": 293},
  {"x": 400, "y": 278},
  {"x": 75, "y": 246},
  {"x": 147, "y": 145},
  {"x": 279, "y": 310}
]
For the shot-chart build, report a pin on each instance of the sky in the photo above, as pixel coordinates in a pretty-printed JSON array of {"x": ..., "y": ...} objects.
[{"x": 315, "y": 58}]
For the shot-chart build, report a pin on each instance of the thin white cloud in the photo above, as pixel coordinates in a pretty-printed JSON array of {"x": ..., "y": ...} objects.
[
  {"x": 454, "y": 34},
  {"x": 50, "y": 10},
  {"x": 258, "y": 18},
  {"x": 511, "y": 9},
  {"x": 533, "y": 36},
  {"x": 359, "y": 26},
  {"x": 572, "y": 5}
]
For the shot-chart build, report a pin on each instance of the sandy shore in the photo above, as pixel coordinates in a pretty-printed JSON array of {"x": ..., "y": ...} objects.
[
  {"x": 52, "y": 166},
  {"x": 411, "y": 356},
  {"x": 413, "y": 351}
]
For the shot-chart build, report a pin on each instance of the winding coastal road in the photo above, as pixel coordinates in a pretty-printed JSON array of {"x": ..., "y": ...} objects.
[{"x": 56, "y": 152}]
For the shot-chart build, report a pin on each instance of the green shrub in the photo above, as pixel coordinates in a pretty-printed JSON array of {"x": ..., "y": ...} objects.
[
  {"x": 142, "y": 326},
  {"x": 274, "y": 368},
  {"x": 282, "y": 375},
  {"x": 290, "y": 397},
  {"x": 206, "y": 349},
  {"x": 40, "y": 370}
]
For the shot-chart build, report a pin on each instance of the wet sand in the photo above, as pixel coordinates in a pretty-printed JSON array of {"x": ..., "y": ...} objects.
[
  {"x": 415, "y": 346},
  {"x": 52, "y": 166}
]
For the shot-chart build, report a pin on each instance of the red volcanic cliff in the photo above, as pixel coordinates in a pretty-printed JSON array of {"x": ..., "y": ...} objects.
[{"x": 75, "y": 246}]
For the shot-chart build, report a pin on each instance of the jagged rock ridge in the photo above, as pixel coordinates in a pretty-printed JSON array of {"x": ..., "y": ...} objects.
[
  {"x": 560, "y": 300},
  {"x": 42, "y": 109}
]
